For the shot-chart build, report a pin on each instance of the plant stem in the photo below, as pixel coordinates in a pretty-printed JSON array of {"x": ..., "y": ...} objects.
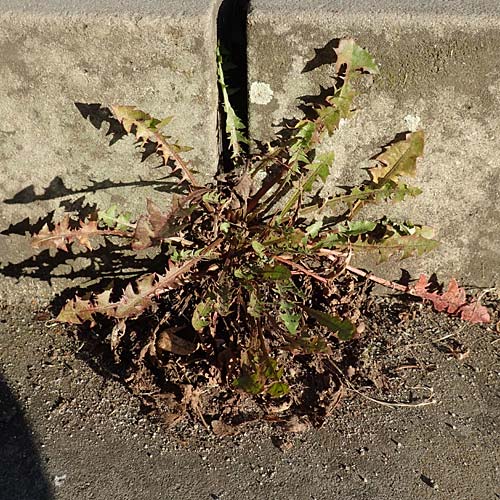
[
  {"x": 268, "y": 183},
  {"x": 300, "y": 268},
  {"x": 182, "y": 164},
  {"x": 333, "y": 255}
]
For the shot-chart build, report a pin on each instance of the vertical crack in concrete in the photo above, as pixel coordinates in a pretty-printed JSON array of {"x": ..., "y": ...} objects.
[{"x": 232, "y": 36}]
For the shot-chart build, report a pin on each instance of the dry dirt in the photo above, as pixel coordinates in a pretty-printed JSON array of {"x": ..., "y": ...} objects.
[{"x": 68, "y": 431}]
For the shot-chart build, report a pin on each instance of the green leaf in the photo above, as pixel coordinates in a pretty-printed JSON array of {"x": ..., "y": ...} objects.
[
  {"x": 403, "y": 190},
  {"x": 182, "y": 255},
  {"x": 201, "y": 315},
  {"x": 277, "y": 272},
  {"x": 331, "y": 241},
  {"x": 344, "y": 329},
  {"x": 388, "y": 191},
  {"x": 234, "y": 125},
  {"x": 289, "y": 317},
  {"x": 164, "y": 122},
  {"x": 278, "y": 390},
  {"x": 243, "y": 274},
  {"x": 212, "y": 197},
  {"x": 291, "y": 321},
  {"x": 111, "y": 218},
  {"x": 259, "y": 248},
  {"x": 255, "y": 307},
  {"x": 250, "y": 383},
  {"x": 354, "y": 57},
  {"x": 271, "y": 370},
  {"x": 314, "y": 229},
  {"x": 343, "y": 233},
  {"x": 338, "y": 108},
  {"x": 320, "y": 169},
  {"x": 401, "y": 245},
  {"x": 356, "y": 228},
  {"x": 399, "y": 159},
  {"x": 302, "y": 143}
]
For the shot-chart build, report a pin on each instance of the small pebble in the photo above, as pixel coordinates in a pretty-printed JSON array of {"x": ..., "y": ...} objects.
[{"x": 59, "y": 480}]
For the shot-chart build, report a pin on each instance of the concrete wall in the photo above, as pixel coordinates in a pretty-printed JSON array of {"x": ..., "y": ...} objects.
[
  {"x": 157, "y": 55},
  {"x": 438, "y": 65}
]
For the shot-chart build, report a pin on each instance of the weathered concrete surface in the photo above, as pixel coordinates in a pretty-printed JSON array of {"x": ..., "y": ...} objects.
[
  {"x": 157, "y": 55},
  {"x": 438, "y": 65}
]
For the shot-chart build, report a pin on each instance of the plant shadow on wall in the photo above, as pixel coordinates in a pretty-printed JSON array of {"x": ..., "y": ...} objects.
[
  {"x": 257, "y": 310},
  {"x": 103, "y": 264}
]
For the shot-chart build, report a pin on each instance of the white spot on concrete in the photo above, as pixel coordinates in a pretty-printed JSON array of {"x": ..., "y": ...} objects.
[
  {"x": 298, "y": 64},
  {"x": 261, "y": 93},
  {"x": 495, "y": 91},
  {"x": 59, "y": 480},
  {"x": 412, "y": 122}
]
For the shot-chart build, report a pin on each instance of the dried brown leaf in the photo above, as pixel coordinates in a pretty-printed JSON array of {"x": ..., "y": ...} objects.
[
  {"x": 221, "y": 429},
  {"x": 244, "y": 187},
  {"x": 62, "y": 235},
  {"x": 169, "y": 341},
  {"x": 297, "y": 424}
]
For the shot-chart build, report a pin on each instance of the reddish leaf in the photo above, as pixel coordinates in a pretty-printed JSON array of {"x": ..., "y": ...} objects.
[
  {"x": 143, "y": 235},
  {"x": 136, "y": 298},
  {"x": 152, "y": 228},
  {"x": 453, "y": 301},
  {"x": 62, "y": 235},
  {"x": 147, "y": 128},
  {"x": 475, "y": 313}
]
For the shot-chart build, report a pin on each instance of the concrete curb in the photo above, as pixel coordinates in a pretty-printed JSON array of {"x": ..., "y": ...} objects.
[
  {"x": 437, "y": 69},
  {"x": 54, "y": 54}
]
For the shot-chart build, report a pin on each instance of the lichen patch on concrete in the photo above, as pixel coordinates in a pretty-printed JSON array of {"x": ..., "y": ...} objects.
[{"x": 261, "y": 93}]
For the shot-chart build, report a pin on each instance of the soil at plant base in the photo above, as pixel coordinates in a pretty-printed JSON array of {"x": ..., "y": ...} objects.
[{"x": 69, "y": 431}]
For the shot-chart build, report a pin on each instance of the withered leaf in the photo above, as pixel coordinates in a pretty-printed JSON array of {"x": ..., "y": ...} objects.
[
  {"x": 297, "y": 424},
  {"x": 220, "y": 428},
  {"x": 136, "y": 298},
  {"x": 62, "y": 235},
  {"x": 168, "y": 340},
  {"x": 147, "y": 128},
  {"x": 244, "y": 187}
]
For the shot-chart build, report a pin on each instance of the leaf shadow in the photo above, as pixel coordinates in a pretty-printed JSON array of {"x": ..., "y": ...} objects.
[
  {"x": 57, "y": 189},
  {"x": 323, "y": 56},
  {"x": 98, "y": 115},
  {"x": 109, "y": 262}
]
